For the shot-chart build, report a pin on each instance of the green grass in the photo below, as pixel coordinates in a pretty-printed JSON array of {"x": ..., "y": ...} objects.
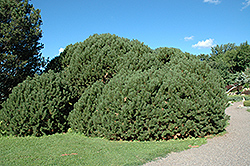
[{"x": 80, "y": 150}]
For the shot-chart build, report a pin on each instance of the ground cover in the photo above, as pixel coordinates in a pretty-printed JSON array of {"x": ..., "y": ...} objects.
[
  {"x": 237, "y": 98},
  {"x": 76, "y": 149}
]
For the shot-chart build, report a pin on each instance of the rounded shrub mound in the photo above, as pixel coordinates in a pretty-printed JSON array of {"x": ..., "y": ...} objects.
[
  {"x": 63, "y": 60},
  {"x": 80, "y": 121},
  {"x": 100, "y": 57},
  {"x": 184, "y": 99},
  {"x": 38, "y": 106},
  {"x": 164, "y": 54}
]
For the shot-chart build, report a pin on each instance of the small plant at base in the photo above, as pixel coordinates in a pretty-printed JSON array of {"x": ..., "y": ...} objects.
[
  {"x": 246, "y": 103},
  {"x": 2, "y": 131},
  {"x": 69, "y": 130}
]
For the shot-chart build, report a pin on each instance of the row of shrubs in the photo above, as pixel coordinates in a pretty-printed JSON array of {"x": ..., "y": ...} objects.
[{"x": 120, "y": 89}]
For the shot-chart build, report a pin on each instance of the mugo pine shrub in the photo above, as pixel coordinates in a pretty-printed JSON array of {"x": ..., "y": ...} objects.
[
  {"x": 164, "y": 54},
  {"x": 100, "y": 57},
  {"x": 182, "y": 99},
  {"x": 81, "y": 121},
  {"x": 38, "y": 106},
  {"x": 63, "y": 60}
]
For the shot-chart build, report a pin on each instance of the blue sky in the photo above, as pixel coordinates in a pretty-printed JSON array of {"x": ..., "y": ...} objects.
[{"x": 193, "y": 26}]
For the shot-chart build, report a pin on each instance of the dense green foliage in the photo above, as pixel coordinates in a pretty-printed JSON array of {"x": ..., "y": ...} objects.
[
  {"x": 63, "y": 60},
  {"x": 20, "y": 32},
  {"x": 183, "y": 99},
  {"x": 121, "y": 90},
  {"x": 100, "y": 57},
  {"x": 37, "y": 106},
  {"x": 229, "y": 60},
  {"x": 164, "y": 54}
]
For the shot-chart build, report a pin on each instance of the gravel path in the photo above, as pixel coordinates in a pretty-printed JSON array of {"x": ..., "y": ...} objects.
[{"x": 232, "y": 149}]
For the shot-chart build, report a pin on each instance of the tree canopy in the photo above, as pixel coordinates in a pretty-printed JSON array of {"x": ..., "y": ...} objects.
[
  {"x": 229, "y": 60},
  {"x": 20, "y": 32}
]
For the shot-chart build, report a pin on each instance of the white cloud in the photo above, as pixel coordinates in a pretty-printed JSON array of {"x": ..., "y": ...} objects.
[
  {"x": 212, "y": 1},
  {"x": 189, "y": 38},
  {"x": 61, "y": 50},
  {"x": 246, "y": 4},
  {"x": 204, "y": 44}
]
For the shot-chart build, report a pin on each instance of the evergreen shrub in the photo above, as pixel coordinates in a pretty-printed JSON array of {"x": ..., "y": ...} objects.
[
  {"x": 63, "y": 60},
  {"x": 38, "y": 106},
  {"x": 80, "y": 121},
  {"x": 100, "y": 57},
  {"x": 164, "y": 54},
  {"x": 182, "y": 99}
]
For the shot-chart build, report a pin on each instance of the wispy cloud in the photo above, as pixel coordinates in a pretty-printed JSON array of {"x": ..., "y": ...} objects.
[
  {"x": 204, "y": 44},
  {"x": 189, "y": 38},
  {"x": 246, "y": 4},
  {"x": 212, "y": 1}
]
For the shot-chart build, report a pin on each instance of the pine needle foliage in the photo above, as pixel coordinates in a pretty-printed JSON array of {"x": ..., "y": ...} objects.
[
  {"x": 182, "y": 99},
  {"x": 100, "y": 57},
  {"x": 63, "y": 60},
  {"x": 38, "y": 106},
  {"x": 164, "y": 54},
  {"x": 121, "y": 90},
  {"x": 20, "y": 33}
]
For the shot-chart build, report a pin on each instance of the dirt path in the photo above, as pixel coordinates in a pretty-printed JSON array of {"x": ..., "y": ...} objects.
[{"x": 231, "y": 149}]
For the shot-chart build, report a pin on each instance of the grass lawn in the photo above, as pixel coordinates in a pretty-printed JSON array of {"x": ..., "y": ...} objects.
[{"x": 76, "y": 149}]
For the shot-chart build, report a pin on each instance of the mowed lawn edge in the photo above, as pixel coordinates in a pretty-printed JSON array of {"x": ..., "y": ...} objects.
[{"x": 77, "y": 149}]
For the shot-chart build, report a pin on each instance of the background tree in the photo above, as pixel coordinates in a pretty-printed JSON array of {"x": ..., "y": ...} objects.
[
  {"x": 20, "y": 32},
  {"x": 229, "y": 60},
  {"x": 219, "y": 50},
  {"x": 240, "y": 58}
]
